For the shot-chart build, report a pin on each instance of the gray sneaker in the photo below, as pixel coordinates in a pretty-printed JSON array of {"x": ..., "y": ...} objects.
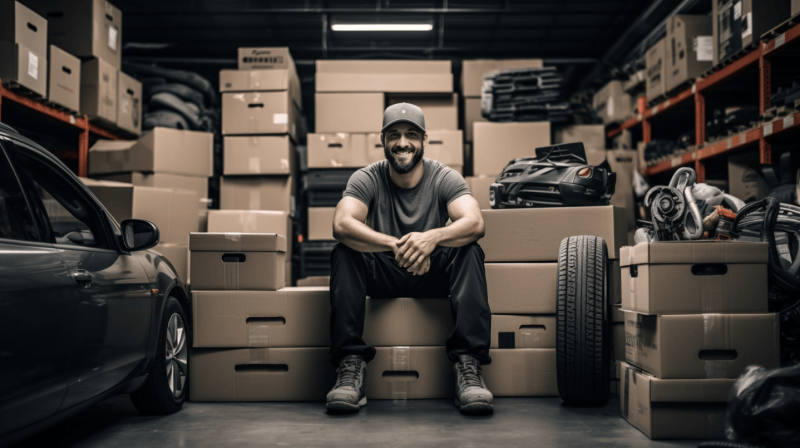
[
  {"x": 349, "y": 393},
  {"x": 472, "y": 396}
]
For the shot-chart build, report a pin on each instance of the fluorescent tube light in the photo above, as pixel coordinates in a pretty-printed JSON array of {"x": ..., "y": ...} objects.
[{"x": 381, "y": 27}]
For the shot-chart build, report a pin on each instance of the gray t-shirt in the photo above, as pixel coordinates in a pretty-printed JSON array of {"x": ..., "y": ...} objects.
[{"x": 398, "y": 211}]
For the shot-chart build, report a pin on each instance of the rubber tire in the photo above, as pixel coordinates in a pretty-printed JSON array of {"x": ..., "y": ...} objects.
[
  {"x": 582, "y": 322},
  {"x": 155, "y": 398}
]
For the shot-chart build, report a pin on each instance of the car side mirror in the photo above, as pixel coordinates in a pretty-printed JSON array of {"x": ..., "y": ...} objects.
[{"x": 138, "y": 234}]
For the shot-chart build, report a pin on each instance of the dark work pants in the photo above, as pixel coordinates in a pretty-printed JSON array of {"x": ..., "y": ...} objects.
[{"x": 456, "y": 272}]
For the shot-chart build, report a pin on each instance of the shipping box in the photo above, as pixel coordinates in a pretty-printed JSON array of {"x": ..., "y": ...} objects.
[
  {"x": 701, "y": 345},
  {"x": 474, "y": 71},
  {"x": 129, "y": 104},
  {"x": 401, "y": 373},
  {"x": 253, "y": 221},
  {"x": 520, "y": 332},
  {"x": 737, "y": 24},
  {"x": 237, "y": 261},
  {"x": 656, "y": 69},
  {"x": 377, "y": 66},
  {"x": 317, "y": 280},
  {"x": 257, "y": 193},
  {"x": 348, "y": 112},
  {"x": 612, "y": 104},
  {"x": 527, "y": 372},
  {"x": 258, "y": 154},
  {"x": 479, "y": 187},
  {"x": 521, "y": 288},
  {"x": 441, "y": 111},
  {"x": 198, "y": 184},
  {"x": 262, "y": 81},
  {"x": 64, "y": 80},
  {"x": 407, "y": 322},
  {"x": 99, "y": 90},
  {"x": 338, "y": 150},
  {"x": 384, "y": 76},
  {"x": 472, "y": 114},
  {"x": 496, "y": 144},
  {"x": 270, "y": 58},
  {"x": 593, "y": 136},
  {"x": 320, "y": 223},
  {"x": 446, "y": 147},
  {"x": 744, "y": 181},
  {"x": 254, "y": 113},
  {"x": 23, "y": 67},
  {"x": 689, "y": 48},
  {"x": 690, "y": 277},
  {"x": 178, "y": 256}
]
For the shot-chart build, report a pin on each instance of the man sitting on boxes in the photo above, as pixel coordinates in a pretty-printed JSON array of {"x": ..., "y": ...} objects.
[{"x": 394, "y": 242}]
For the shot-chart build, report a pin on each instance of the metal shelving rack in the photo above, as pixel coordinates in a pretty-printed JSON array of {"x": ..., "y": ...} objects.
[
  {"x": 760, "y": 135},
  {"x": 81, "y": 123}
]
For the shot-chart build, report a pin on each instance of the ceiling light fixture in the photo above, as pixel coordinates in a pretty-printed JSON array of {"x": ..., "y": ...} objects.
[{"x": 381, "y": 27}]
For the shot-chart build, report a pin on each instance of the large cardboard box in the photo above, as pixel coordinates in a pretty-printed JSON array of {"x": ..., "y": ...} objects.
[
  {"x": 403, "y": 373},
  {"x": 64, "y": 80},
  {"x": 740, "y": 23},
  {"x": 178, "y": 256},
  {"x": 198, "y": 184},
  {"x": 320, "y": 223},
  {"x": 161, "y": 150},
  {"x": 441, "y": 111},
  {"x": 255, "y": 113},
  {"x": 612, "y": 104},
  {"x": 348, "y": 112},
  {"x": 472, "y": 114},
  {"x": 253, "y": 221},
  {"x": 261, "y": 374},
  {"x": 237, "y": 261},
  {"x": 496, "y": 144},
  {"x": 262, "y": 80},
  {"x": 623, "y": 163},
  {"x": 674, "y": 409},
  {"x": 338, "y": 150},
  {"x": 258, "y": 154},
  {"x": 23, "y": 67},
  {"x": 19, "y": 24},
  {"x": 85, "y": 28},
  {"x": 384, "y": 76},
  {"x": 407, "y": 322},
  {"x": 259, "y": 58},
  {"x": 99, "y": 90},
  {"x": 257, "y": 193},
  {"x": 689, "y": 48},
  {"x": 289, "y": 317},
  {"x": 521, "y": 332},
  {"x": 377, "y": 66},
  {"x": 795, "y": 7},
  {"x": 318, "y": 280},
  {"x": 593, "y": 136},
  {"x": 656, "y": 69},
  {"x": 479, "y": 187},
  {"x": 474, "y": 71},
  {"x": 701, "y": 345},
  {"x": 527, "y": 372},
  {"x": 743, "y": 180},
  {"x": 174, "y": 212},
  {"x": 129, "y": 103},
  {"x": 690, "y": 277},
  {"x": 446, "y": 147},
  {"x": 526, "y": 235},
  {"x": 521, "y": 288}
]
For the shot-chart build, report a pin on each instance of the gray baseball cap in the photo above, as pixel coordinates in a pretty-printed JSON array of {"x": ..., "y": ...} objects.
[{"x": 403, "y": 113}]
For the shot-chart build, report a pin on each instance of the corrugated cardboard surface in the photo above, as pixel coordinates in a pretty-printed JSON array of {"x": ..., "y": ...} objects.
[
  {"x": 253, "y": 221},
  {"x": 496, "y": 144},
  {"x": 673, "y": 409},
  {"x": 593, "y": 136},
  {"x": 198, "y": 184},
  {"x": 178, "y": 256},
  {"x": 265, "y": 58},
  {"x": 656, "y": 69},
  {"x": 624, "y": 163},
  {"x": 479, "y": 187},
  {"x": 529, "y": 372},
  {"x": 320, "y": 223},
  {"x": 14, "y": 20},
  {"x": 701, "y": 345},
  {"x": 523, "y": 331},
  {"x": 407, "y": 322},
  {"x": 129, "y": 104},
  {"x": 400, "y": 373},
  {"x": 385, "y": 82},
  {"x": 318, "y": 280},
  {"x": 612, "y": 104},
  {"x": 441, "y": 111},
  {"x": 258, "y": 154},
  {"x": 257, "y": 193},
  {"x": 472, "y": 114},
  {"x": 522, "y": 288},
  {"x": 261, "y": 80},
  {"x": 290, "y": 317},
  {"x": 446, "y": 147},
  {"x": 99, "y": 84},
  {"x": 338, "y": 150},
  {"x": 744, "y": 181},
  {"x": 64, "y": 82},
  {"x": 348, "y": 112},
  {"x": 237, "y": 242},
  {"x": 536, "y": 234},
  {"x": 692, "y": 252},
  {"x": 382, "y": 66},
  {"x": 243, "y": 261},
  {"x": 23, "y": 66},
  {"x": 474, "y": 71},
  {"x": 685, "y": 35},
  {"x": 254, "y": 113},
  {"x": 261, "y": 374}
]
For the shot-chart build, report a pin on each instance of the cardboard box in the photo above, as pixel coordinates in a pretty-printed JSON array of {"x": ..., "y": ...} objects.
[
  {"x": 701, "y": 345},
  {"x": 252, "y": 58},
  {"x": 257, "y": 193},
  {"x": 656, "y": 68},
  {"x": 496, "y": 144},
  {"x": 64, "y": 79},
  {"x": 320, "y": 223},
  {"x": 254, "y": 113},
  {"x": 521, "y": 332},
  {"x": 129, "y": 101},
  {"x": 99, "y": 90},
  {"x": 446, "y": 147},
  {"x": 258, "y": 154},
  {"x": 689, "y": 48},
  {"x": 529, "y": 372},
  {"x": 689, "y": 277},
  {"x": 795, "y": 7},
  {"x": 161, "y": 150},
  {"x": 623, "y": 140},
  {"x": 84, "y": 28},
  {"x": 262, "y": 81},
  {"x": 403, "y": 373},
  {"x": 374, "y": 148},
  {"x": 674, "y": 409},
  {"x": 253, "y": 221},
  {"x": 441, "y": 111},
  {"x": 743, "y": 180},
  {"x": 740, "y": 23},
  {"x": 198, "y": 184},
  {"x": 479, "y": 187},
  {"x": 261, "y": 374},
  {"x": 624, "y": 163},
  {"x": 19, "y": 24},
  {"x": 525, "y": 235},
  {"x": 472, "y": 114},
  {"x": 319, "y": 280},
  {"x": 338, "y": 150},
  {"x": 617, "y": 315},
  {"x": 593, "y": 136},
  {"x": 377, "y": 66},
  {"x": 618, "y": 340},
  {"x": 384, "y": 76},
  {"x": 521, "y": 288},
  {"x": 290, "y": 317},
  {"x": 178, "y": 256},
  {"x": 407, "y": 322},
  {"x": 348, "y": 112},
  {"x": 612, "y": 104},
  {"x": 474, "y": 71},
  {"x": 23, "y": 67},
  {"x": 243, "y": 261},
  {"x": 174, "y": 212}
]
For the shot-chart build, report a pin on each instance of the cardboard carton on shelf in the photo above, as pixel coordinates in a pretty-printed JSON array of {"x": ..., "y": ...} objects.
[
  {"x": 320, "y": 223},
  {"x": 527, "y": 372},
  {"x": 337, "y": 150},
  {"x": 612, "y": 104},
  {"x": 23, "y": 67},
  {"x": 440, "y": 110},
  {"x": 258, "y": 155},
  {"x": 593, "y": 136},
  {"x": 262, "y": 80},
  {"x": 407, "y": 322},
  {"x": 237, "y": 261},
  {"x": 64, "y": 79},
  {"x": 404, "y": 373},
  {"x": 736, "y": 25},
  {"x": 255, "y": 113},
  {"x": 129, "y": 104},
  {"x": 689, "y": 48},
  {"x": 348, "y": 112},
  {"x": 475, "y": 70},
  {"x": 656, "y": 68},
  {"x": 99, "y": 90},
  {"x": 384, "y": 76},
  {"x": 496, "y": 144},
  {"x": 257, "y": 193},
  {"x": 520, "y": 332}
]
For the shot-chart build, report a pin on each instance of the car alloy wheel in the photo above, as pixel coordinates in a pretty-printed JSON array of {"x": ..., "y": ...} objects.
[{"x": 177, "y": 355}]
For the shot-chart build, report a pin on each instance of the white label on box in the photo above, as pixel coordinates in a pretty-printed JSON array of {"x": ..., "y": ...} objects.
[
  {"x": 788, "y": 121},
  {"x": 280, "y": 118},
  {"x": 747, "y": 26},
  {"x": 767, "y": 129},
  {"x": 610, "y": 107},
  {"x": 737, "y": 10},
  {"x": 33, "y": 65},
  {"x": 704, "y": 48},
  {"x": 112, "y": 37}
]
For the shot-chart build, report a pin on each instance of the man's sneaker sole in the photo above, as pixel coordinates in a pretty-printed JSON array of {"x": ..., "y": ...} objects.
[
  {"x": 342, "y": 407},
  {"x": 475, "y": 408}
]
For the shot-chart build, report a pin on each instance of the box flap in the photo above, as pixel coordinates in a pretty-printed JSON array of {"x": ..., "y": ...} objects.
[
  {"x": 682, "y": 391},
  {"x": 681, "y": 252},
  {"x": 241, "y": 242}
]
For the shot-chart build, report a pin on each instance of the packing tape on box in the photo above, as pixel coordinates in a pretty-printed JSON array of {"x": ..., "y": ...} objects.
[
  {"x": 257, "y": 335},
  {"x": 399, "y": 362},
  {"x": 254, "y": 165},
  {"x": 715, "y": 337},
  {"x": 259, "y": 355},
  {"x": 531, "y": 338}
]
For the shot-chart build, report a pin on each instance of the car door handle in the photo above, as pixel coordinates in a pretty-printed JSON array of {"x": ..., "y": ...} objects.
[{"x": 82, "y": 276}]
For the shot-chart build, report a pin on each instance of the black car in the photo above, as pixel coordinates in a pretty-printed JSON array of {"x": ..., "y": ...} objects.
[
  {"x": 558, "y": 176},
  {"x": 86, "y": 310}
]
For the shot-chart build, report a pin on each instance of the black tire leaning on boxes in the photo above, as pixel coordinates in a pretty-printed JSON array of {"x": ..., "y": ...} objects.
[{"x": 582, "y": 329}]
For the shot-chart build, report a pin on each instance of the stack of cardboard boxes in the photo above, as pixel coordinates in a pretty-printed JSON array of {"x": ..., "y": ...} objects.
[
  {"x": 261, "y": 108},
  {"x": 695, "y": 317}
]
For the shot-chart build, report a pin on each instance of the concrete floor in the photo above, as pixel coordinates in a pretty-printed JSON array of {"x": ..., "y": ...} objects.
[{"x": 541, "y": 422}]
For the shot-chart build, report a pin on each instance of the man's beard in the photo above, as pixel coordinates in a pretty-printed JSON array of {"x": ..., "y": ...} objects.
[{"x": 400, "y": 169}]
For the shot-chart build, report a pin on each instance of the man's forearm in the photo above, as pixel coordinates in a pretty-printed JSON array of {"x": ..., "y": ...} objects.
[
  {"x": 359, "y": 236},
  {"x": 459, "y": 233}
]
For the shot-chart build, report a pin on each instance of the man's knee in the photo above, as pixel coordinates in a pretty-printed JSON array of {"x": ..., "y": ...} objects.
[{"x": 472, "y": 250}]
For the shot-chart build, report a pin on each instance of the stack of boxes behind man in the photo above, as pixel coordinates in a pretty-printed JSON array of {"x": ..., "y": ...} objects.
[
  {"x": 695, "y": 317},
  {"x": 261, "y": 108}
]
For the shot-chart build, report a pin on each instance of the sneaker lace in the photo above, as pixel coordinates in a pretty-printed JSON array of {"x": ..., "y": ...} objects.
[
  {"x": 349, "y": 374},
  {"x": 469, "y": 374}
]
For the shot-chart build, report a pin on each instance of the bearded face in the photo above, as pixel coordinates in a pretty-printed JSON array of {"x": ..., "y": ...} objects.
[{"x": 403, "y": 147}]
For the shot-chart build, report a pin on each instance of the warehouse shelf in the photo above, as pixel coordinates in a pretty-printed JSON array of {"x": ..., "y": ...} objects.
[{"x": 82, "y": 125}]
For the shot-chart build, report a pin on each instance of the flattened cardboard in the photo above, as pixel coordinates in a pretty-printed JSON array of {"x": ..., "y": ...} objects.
[
  {"x": 64, "y": 80},
  {"x": 178, "y": 256},
  {"x": 520, "y": 332},
  {"x": 129, "y": 104},
  {"x": 673, "y": 409},
  {"x": 528, "y": 235},
  {"x": 261, "y": 374},
  {"x": 258, "y": 154},
  {"x": 348, "y": 112},
  {"x": 612, "y": 104},
  {"x": 405, "y": 373},
  {"x": 496, "y": 144},
  {"x": 24, "y": 67},
  {"x": 257, "y": 193},
  {"x": 383, "y": 66},
  {"x": 475, "y": 70},
  {"x": 472, "y": 114},
  {"x": 698, "y": 346},
  {"x": 407, "y": 322},
  {"x": 262, "y": 80},
  {"x": 593, "y": 136},
  {"x": 237, "y": 261},
  {"x": 320, "y": 223},
  {"x": 318, "y": 280},
  {"x": 198, "y": 184},
  {"x": 529, "y": 372},
  {"x": 689, "y": 48},
  {"x": 521, "y": 288},
  {"x": 255, "y": 113},
  {"x": 441, "y": 111},
  {"x": 656, "y": 70},
  {"x": 479, "y": 187},
  {"x": 289, "y": 317},
  {"x": 251, "y": 58},
  {"x": 99, "y": 90},
  {"x": 385, "y": 82},
  {"x": 338, "y": 150}
]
